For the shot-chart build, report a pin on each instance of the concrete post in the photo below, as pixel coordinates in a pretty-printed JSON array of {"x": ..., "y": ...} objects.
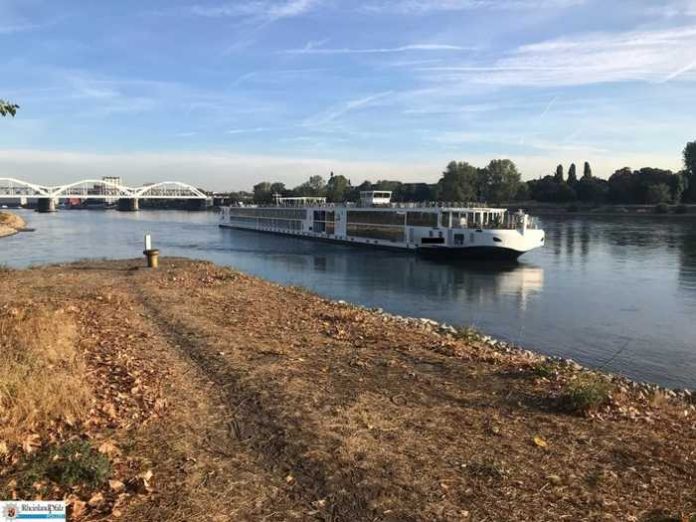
[{"x": 152, "y": 254}]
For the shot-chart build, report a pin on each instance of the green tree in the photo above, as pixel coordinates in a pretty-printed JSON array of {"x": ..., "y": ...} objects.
[
  {"x": 458, "y": 183},
  {"x": 657, "y": 194},
  {"x": 549, "y": 189},
  {"x": 499, "y": 181},
  {"x": 587, "y": 171},
  {"x": 572, "y": 175},
  {"x": 592, "y": 190},
  {"x": 690, "y": 166},
  {"x": 523, "y": 193},
  {"x": 559, "y": 173},
  {"x": 278, "y": 188},
  {"x": 8, "y": 108},
  {"x": 263, "y": 193},
  {"x": 314, "y": 187},
  {"x": 623, "y": 186},
  {"x": 690, "y": 158},
  {"x": 337, "y": 188}
]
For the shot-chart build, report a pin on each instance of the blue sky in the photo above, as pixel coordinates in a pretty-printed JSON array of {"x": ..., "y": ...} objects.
[{"x": 223, "y": 94}]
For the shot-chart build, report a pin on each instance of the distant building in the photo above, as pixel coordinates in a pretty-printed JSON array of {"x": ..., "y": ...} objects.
[
  {"x": 108, "y": 190},
  {"x": 116, "y": 180}
]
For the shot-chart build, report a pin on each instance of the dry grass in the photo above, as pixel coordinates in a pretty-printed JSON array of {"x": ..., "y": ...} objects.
[
  {"x": 250, "y": 401},
  {"x": 43, "y": 375}
]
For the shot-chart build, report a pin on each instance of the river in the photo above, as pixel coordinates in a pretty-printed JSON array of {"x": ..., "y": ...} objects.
[{"x": 615, "y": 293}]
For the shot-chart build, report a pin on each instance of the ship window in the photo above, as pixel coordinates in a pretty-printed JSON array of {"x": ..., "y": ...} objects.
[
  {"x": 375, "y": 217},
  {"x": 497, "y": 240},
  {"x": 387, "y": 233},
  {"x": 421, "y": 219},
  {"x": 458, "y": 239}
]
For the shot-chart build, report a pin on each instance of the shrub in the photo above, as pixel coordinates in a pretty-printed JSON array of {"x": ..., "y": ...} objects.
[
  {"x": 74, "y": 463},
  {"x": 572, "y": 208},
  {"x": 681, "y": 209},
  {"x": 661, "y": 208},
  {"x": 468, "y": 334},
  {"x": 585, "y": 394},
  {"x": 545, "y": 370}
]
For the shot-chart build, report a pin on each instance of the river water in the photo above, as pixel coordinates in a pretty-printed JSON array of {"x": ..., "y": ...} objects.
[{"x": 616, "y": 293}]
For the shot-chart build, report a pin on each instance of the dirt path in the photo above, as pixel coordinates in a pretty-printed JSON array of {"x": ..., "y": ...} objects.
[{"x": 249, "y": 401}]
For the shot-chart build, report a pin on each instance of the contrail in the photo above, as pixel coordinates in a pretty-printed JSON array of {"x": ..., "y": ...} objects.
[
  {"x": 679, "y": 72},
  {"x": 548, "y": 107}
]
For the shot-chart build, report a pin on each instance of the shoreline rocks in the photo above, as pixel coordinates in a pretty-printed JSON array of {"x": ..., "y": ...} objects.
[{"x": 508, "y": 348}]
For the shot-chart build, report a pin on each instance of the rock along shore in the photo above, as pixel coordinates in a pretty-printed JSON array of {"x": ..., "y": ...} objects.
[{"x": 201, "y": 389}]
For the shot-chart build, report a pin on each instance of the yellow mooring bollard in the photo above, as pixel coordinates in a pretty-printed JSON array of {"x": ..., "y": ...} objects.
[{"x": 152, "y": 254}]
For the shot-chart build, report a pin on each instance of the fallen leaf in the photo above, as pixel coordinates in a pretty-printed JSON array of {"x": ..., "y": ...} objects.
[
  {"x": 96, "y": 499},
  {"x": 116, "y": 485},
  {"x": 31, "y": 443},
  {"x": 554, "y": 479},
  {"x": 77, "y": 508},
  {"x": 108, "y": 448},
  {"x": 539, "y": 441}
]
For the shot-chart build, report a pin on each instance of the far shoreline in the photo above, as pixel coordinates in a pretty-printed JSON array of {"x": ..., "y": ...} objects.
[{"x": 617, "y": 210}]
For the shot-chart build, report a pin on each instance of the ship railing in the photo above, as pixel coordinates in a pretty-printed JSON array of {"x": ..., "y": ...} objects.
[{"x": 414, "y": 205}]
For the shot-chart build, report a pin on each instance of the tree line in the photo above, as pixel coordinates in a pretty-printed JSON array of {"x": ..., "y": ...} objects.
[{"x": 500, "y": 182}]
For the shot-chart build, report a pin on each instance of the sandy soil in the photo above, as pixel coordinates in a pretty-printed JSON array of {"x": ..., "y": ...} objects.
[
  {"x": 218, "y": 396},
  {"x": 10, "y": 224}
]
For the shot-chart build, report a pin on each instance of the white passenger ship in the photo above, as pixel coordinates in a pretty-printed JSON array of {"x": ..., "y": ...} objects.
[{"x": 442, "y": 229}]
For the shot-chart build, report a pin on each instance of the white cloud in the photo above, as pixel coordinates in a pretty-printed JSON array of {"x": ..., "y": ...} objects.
[
  {"x": 263, "y": 9},
  {"x": 311, "y": 48},
  {"x": 653, "y": 56},
  {"x": 247, "y": 131},
  {"x": 425, "y": 6},
  {"x": 17, "y": 28},
  {"x": 673, "y": 9}
]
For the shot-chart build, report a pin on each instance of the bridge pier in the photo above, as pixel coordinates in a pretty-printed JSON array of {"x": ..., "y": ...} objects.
[
  {"x": 128, "y": 204},
  {"x": 45, "y": 205},
  {"x": 196, "y": 204}
]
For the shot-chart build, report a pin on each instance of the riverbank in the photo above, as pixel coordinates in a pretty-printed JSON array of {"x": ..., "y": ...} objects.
[
  {"x": 197, "y": 391},
  {"x": 615, "y": 210},
  {"x": 10, "y": 224}
]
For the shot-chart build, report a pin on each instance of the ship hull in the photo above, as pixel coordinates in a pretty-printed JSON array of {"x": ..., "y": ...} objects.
[{"x": 473, "y": 253}]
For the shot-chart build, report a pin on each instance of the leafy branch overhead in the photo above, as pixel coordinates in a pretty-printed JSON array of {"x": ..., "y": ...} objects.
[{"x": 7, "y": 108}]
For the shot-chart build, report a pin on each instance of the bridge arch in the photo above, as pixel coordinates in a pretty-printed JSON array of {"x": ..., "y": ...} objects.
[
  {"x": 82, "y": 188},
  {"x": 169, "y": 190},
  {"x": 16, "y": 188}
]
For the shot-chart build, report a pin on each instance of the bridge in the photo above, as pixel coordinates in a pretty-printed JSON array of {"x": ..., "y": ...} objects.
[{"x": 128, "y": 197}]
